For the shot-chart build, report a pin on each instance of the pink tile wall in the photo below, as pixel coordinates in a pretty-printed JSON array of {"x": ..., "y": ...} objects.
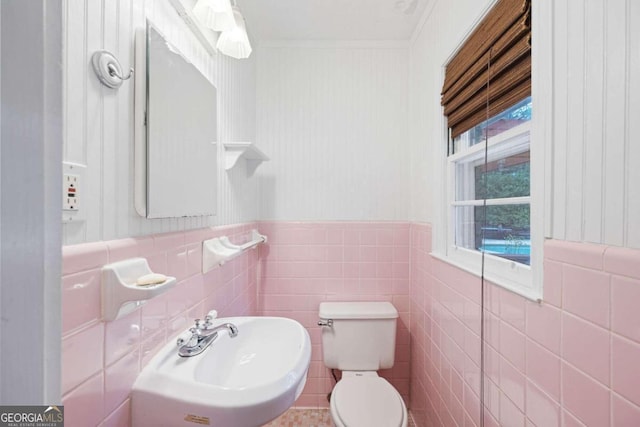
[
  {"x": 100, "y": 361},
  {"x": 304, "y": 264},
  {"x": 571, "y": 361}
]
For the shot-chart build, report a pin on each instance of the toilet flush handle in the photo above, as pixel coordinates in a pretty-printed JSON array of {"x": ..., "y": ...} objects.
[{"x": 328, "y": 322}]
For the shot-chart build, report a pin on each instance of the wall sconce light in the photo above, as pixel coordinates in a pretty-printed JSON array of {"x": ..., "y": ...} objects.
[
  {"x": 215, "y": 14},
  {"x": 235, "y": 42}
]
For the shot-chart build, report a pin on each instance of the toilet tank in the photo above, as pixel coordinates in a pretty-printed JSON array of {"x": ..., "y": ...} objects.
[{"x": 362, "y": 336}]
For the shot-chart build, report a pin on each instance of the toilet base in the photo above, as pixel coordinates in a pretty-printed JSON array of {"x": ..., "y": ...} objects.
[{"x": 350, "y": 377}]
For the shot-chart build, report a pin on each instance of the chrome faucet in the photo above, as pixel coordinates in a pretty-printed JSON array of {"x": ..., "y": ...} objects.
[{"x": 202, "y": 335}]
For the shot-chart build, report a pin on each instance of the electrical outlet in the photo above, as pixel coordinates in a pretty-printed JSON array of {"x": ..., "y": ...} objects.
[
  {"x": 73, "y": 195},
  {"x": 70, "y": 193}
]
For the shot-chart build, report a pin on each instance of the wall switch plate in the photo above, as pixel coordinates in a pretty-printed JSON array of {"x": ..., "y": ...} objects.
[{"x": 73, "y": 194}]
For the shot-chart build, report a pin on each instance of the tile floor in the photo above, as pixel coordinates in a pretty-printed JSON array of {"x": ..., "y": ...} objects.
[
  {"x": 303, "y": 418},
  {"x": 295, "y": 417}
]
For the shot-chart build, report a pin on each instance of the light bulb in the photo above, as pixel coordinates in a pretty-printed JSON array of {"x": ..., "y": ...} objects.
[
  {"x": 215, "y": 14},
  {"x": 235, "y": 42}
]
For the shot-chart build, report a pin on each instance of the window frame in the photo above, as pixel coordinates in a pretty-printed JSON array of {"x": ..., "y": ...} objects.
[
  {"x": 542, "y": 154},
  {"x": 506, "y": 273}
]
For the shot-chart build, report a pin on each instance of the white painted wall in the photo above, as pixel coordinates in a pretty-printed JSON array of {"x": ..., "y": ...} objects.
[
  {"x": 30, "y": 202},
  {"x": 596, "y": 105},
  {"x": 1, "y": 347},
  {"x": 444, "y": 26},
  {"x": 333, "y": 118},
  {"x": 99, "y": 121},
  {"x": 587, "y": 83}
]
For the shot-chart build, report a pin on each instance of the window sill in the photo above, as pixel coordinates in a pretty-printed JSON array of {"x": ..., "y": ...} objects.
[{"x": 496, "y": 279}]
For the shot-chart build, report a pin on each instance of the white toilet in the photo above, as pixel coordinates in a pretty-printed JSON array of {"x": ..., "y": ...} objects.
[{"x": 359, "y": 338}]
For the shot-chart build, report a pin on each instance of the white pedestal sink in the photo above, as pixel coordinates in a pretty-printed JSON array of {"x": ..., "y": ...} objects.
[{"x": 243, "y": 381}]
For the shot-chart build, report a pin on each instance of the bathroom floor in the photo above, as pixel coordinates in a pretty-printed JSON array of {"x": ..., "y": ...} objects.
[
  {"x": 303, "y": 418},
  {"x": 307, "y": 418}
]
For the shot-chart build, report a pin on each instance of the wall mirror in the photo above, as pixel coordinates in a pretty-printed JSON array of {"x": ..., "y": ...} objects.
[{"x": 176, "y": 132}]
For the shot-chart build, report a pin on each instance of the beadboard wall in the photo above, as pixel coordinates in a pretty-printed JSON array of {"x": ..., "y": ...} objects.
[
  {"x": 98, "y": 121},
  {"x": 596, "y": 105},
  {"x": 586, "y": 94},
  {"x": 333, "y": 117}
]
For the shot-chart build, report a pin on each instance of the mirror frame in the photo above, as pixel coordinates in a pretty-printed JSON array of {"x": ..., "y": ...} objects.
[{"x": 141, "y": 143}]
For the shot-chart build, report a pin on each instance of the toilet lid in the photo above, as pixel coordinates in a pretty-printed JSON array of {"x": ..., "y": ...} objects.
[{"x": 367, "y": 402}]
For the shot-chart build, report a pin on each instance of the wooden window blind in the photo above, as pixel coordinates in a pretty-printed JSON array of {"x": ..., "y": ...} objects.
[{"x": 497, "y": 56}]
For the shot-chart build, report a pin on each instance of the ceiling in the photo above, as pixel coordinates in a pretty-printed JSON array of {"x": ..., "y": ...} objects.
[{"x": 331, "y": 19}]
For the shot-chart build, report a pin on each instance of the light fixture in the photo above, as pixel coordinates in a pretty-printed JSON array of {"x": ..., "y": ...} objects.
[
  {"x": 215, "y": 14},
  {"x": 235, "y": 42}
]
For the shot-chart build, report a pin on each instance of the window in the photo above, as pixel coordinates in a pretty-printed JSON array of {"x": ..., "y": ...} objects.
[
  {"x": 487, "y": 102},
  {"x": 500, "y": 225},
  {"x": 489, "y": 201}
]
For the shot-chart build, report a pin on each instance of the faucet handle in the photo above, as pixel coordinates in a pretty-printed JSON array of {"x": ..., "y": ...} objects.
[
  {"x": 184, "y": 338},
  {"x": 208, "y": 319}
]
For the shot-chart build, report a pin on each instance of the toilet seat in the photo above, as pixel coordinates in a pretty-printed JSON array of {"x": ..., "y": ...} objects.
[{"x": 367, "y": 401}]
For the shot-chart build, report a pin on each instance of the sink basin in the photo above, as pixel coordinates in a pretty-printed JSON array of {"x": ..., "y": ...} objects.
[{"x": 244, "y": 381}]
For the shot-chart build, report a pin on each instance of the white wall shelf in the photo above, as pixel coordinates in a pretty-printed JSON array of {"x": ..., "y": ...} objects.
[
  {"x": 217, "y": 251},
  {"x": 120, "y": 292},
  {"x": 234, "y": 151}
]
